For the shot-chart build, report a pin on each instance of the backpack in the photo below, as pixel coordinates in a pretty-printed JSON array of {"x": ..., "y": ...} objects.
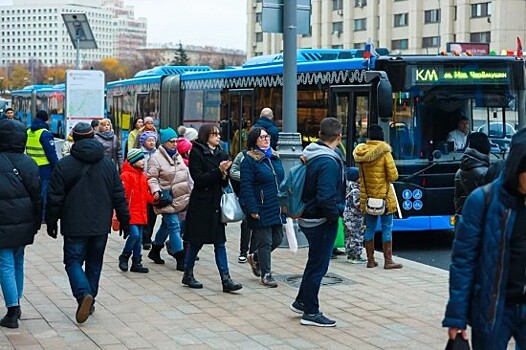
[{"x": 290, "y": 194}]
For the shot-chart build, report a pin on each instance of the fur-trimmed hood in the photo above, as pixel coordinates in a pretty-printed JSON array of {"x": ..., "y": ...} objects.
[
  {"x": 370, "y": 151},
  {"x": 259, "y": 156}
]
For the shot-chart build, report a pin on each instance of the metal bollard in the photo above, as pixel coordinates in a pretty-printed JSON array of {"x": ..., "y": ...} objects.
[{"x": 290, "y": 149}]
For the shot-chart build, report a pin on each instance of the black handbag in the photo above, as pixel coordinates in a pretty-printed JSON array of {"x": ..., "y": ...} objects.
[
  {"x": 165, "y": 199},
  {"x": 458, "y": 344}
]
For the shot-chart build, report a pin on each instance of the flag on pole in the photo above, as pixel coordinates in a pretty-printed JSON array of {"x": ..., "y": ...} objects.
[
  {"x": 369, "y": 50},
  {"x": 519, "y": 47}
]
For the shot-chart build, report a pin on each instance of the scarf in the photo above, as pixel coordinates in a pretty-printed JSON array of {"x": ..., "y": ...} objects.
[
  {"x": 267, "y": 152},
  {"x": 107, "y": 134}
]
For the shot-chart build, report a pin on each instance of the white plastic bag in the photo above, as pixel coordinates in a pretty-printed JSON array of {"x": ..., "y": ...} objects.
[{"x": 291, "y": 235}]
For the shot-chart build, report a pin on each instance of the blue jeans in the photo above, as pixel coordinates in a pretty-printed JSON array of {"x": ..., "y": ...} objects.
[
  {"x": 88, "y": 250},
  {"x": 321, "y": 242},
  {"x": 513, "y": 325},
  {"x": 170, "y": 227},
  {"x": 219, "y": 252},
  {"x": 387, "y": 227},
  {"x": 134, "y": 241},
  {"x": 12, "y": 274}
]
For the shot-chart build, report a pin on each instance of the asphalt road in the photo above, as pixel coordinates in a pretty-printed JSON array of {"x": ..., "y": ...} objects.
[{"x": 430, "y": 248}]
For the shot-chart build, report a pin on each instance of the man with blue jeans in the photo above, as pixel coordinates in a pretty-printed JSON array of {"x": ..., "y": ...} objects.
[
  {"x": 84, "y": 190},
  {"x": 324, "y": 196}
]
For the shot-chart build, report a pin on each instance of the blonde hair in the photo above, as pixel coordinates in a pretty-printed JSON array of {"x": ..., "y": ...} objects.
[{"x": 106, "y": 121}]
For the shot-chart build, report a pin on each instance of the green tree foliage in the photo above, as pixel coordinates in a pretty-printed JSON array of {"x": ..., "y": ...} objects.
[{"x": 180, "y": 57}]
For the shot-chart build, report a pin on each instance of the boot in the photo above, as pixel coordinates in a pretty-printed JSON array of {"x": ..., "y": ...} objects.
[
  {"x": 123, "y": 262},
  {"x": 155, "y": 254},
  {"x": 10, "y": 320},
  {"x": 179, "y": 257},
  {"x": 190, "y": 281},
  {"x": 228, "y": 284},
  {"x": 369, "y": 249},
  {"x": 388, "y": 257},
  {"x": 137, "y": 266}
]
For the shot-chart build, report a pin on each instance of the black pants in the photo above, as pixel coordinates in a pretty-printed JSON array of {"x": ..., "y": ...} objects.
[
  {"x": 246, "y": 244},
  {"x": 148, "y": 229},
  {"x": 266, "y": 240}
]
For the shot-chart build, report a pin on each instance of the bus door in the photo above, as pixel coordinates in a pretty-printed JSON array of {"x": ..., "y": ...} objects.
[
  {"x": 116, "y": 110},
  {"x": 240, "y": 112},
  {"x": 350, "y": 105}
]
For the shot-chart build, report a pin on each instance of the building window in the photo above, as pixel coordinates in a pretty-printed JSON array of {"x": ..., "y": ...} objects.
[
  {"x": 360, "y": 3},
  {"x": 337, "y": 28},
  {"x": 430, "y": 41},
  {"x": 337, "y": 5},
  {"x": 337, "y": 47},
  {"x": 259, "y": 17},
  {"x": 432, "y": 16},
  {"x": 259, "y": 37},
  {"x": 401, "y": 20},
  {"x": 401, "y": 44},
  {"x": 360, "y": 24},
  {"x": 482, "y": 37},
  {"x": 358, "y": 46},
  {"x": 481, "y": 10}
]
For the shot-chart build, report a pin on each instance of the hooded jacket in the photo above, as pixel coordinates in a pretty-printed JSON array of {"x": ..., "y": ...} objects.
[
  {"x": 377, "y": 165},
  {"x": 271, "y": 128},
  {"x": 137, "y": 192},
  {"x": 18, "y": 194},
  {"x": 470, "y": 175},
  {"x": 166, "y": 173},
  {"x": 324, "y": 189},
  {"x": 260, "y": 179},
  {"x": 85, "y": 203},
  {"x": 480, "y": 259}
]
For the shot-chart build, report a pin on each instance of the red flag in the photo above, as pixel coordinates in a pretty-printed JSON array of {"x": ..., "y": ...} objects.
[{"x": 519, "y": 47}]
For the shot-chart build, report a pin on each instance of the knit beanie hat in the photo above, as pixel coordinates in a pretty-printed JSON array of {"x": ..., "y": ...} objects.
[
  {"x": 479, "y": 141},
  {"x": 42, "y": 115},
  {"x": 167, "y": 134},
  {"x": 134, "y": 155},
  {"x": 190, "y": 134},
  {"x": 82, "y": 131},
  {"x": 147, "y": 134},
  {"x": 376, "y": 133},
  {"x": 352, "y": 174},
  {"x": 183, "y": 145}
]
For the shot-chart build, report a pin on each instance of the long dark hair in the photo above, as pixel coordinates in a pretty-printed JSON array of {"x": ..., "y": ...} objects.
[{"x": 204, "y": 131}]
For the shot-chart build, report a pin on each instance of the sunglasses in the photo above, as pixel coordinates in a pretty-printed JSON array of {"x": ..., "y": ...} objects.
[
  {"x": 264, "y": 137},
  {"x": 172, "y": 141},
  {"x": 215, "y": 134}
]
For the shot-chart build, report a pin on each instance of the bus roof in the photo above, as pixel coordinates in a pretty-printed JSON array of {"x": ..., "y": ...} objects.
[{"x": 170, "y": 70}]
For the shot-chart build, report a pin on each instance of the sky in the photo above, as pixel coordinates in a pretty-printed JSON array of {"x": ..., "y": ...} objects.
[{"x": 220, "y": 23}]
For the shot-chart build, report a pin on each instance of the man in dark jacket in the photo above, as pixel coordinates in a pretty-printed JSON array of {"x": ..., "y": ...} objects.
[
  {"x": 266, "y": 121},
  {"x": 20, "y": 214},
  {"x": 83, "y": 192},
  {"x": 474, "y": 164},
  {"x": 40, "y": 146},
  {"x": 324, "y": 195},
  {"x": 487, "y": 287}
]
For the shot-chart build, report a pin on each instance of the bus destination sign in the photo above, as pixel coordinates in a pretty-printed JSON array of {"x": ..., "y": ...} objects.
[{"x": 426, "y": 75}]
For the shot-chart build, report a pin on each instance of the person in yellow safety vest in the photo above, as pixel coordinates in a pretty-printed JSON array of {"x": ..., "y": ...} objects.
[{"x": 40, "y": 146}]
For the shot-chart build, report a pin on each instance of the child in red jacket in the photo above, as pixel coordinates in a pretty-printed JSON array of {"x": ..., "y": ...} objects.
[{"x": 138, "y": 196}]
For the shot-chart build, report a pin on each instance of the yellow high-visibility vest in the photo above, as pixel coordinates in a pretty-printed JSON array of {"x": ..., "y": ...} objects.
[{"x": 34, "y": 148}]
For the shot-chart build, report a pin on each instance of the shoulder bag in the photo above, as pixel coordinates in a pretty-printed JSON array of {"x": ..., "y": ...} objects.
[
  {"x": 373, "y": 206},
  {"x": 230, "y": 209}
]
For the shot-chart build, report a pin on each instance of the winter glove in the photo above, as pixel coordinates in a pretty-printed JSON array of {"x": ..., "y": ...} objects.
[
  {"x": 52, "y": 230},
  {"x": 124, "y": 231}
]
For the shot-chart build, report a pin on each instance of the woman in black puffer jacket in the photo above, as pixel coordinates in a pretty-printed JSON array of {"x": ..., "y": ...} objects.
[
  {"x": 473, "y": 167},
  {"x": 20, "y": 194}
]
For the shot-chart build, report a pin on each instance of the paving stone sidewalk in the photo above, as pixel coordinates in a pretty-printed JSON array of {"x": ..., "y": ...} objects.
[{"x": 375, "y": 308}]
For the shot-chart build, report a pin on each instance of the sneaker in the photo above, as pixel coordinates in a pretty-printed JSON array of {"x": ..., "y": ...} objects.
[
  {"x": 269, "y": 281},
  {"x": 83, "y": 311},
  {"x": 254, "y": 265},
  {"x": 242, "y": 258},
  {"x": 318, "y": 320},
  {"x": 297, "y": 307},
  {"x": 146, "y": 246},
  {"x": 356, "y": 259}
]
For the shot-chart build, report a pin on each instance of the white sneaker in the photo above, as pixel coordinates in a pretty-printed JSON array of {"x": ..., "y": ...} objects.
[{"x": 356, "y": 260}]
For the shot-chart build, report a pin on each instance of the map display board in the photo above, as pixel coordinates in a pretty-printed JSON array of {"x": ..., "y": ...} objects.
[{"x": 84, "y": 96}]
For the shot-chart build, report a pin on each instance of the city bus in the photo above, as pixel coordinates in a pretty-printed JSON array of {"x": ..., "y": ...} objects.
[
  {"x": 33, "y": 98},
  {"x": 139, "y": 97},
  {"x": 427, "y": 96}
]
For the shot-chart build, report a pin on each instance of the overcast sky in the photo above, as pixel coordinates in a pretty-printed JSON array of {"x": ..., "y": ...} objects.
[{"x": 219, "y": 23}]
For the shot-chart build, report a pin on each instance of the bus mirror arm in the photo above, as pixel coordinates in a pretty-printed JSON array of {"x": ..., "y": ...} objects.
[{"x": 412, "y": 176}]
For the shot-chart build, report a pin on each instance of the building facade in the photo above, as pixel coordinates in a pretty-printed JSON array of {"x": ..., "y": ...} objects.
[
  {"x": 34, "y": 32},
  {"x": 402, "y": 26}
]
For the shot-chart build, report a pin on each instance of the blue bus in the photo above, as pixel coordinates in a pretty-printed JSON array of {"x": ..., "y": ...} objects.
[
  {"x": 29, "y": 100},
  {"x": 139, "y": 96},
  {"x": 427, "y": 95}
]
